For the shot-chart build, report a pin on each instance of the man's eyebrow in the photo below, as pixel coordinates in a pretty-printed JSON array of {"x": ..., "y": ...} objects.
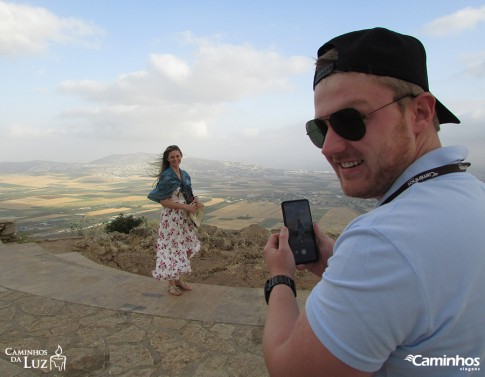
[{"x": 352, "y": 104}]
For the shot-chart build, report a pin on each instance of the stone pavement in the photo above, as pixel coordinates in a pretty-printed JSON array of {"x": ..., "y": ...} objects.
[{"x": 106, "y": 322}]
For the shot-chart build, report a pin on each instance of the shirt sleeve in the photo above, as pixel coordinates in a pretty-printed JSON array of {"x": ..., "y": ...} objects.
[
  {"x": 166, "y": 185},
  {"x": 368, "y": 302}
]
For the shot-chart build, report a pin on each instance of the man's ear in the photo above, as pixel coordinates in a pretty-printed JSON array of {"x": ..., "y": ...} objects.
[{"x": 424, "y": 111}]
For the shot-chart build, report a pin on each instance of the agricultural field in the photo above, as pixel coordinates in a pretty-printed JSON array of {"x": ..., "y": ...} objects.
[
  {"x": 335, "y": 219},
  {"x": 69, "y": 202},
  {"x": 241, "y": 214},
  {"x": 56, "y": 204}
]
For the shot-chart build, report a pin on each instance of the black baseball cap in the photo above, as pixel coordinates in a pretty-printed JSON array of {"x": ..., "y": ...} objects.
[{"x": 382, "y": 52}]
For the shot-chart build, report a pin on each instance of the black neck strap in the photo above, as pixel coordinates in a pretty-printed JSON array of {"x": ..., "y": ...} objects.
[{"x": 428, "y": 174}]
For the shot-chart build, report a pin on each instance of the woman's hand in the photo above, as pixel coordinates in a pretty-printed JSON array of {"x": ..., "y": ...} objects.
[
  {"x": 198, "y": 203},
  {"x": 191, "y": 208}
]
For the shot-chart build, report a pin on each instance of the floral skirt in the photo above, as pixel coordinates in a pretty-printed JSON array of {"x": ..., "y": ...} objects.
[{"x": 177, "y": 243}]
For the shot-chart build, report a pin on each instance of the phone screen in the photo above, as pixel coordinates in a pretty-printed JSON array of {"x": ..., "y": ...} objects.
[{"x": 298, "y": 219}]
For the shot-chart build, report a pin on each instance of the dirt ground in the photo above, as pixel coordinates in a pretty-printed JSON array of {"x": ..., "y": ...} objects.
[{"x": 227, "y": 257}]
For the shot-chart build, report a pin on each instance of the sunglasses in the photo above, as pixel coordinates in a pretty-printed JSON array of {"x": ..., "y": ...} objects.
[{"x": 347, "y": 123}]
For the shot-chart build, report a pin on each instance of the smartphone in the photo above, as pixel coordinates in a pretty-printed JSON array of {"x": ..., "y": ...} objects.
[{"x": 298, "y": 219}]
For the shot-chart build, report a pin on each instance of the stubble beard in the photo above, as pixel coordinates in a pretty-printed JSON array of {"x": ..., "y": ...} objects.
[{"x": 395, "y": 158}]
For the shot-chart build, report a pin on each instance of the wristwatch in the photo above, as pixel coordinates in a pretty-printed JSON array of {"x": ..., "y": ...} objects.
[{"x": 275, "y": 280}]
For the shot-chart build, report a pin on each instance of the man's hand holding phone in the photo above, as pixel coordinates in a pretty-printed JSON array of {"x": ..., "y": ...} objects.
[
  {"x": 278, "y": 255},
  {"x": 325, "y": 249},
  {"x": 297, "y": 218},
  {"x": 300, "y": 245}
]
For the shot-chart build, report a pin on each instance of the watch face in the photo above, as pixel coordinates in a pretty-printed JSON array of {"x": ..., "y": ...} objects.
[{"x": 280, "y": 279}]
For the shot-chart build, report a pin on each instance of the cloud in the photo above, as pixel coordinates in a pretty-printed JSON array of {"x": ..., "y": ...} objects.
[
  {"x": 171, "y": 67},
  {"x": 28, "y": 30},
  {"x": 464, "y": 19},
  {"x": 178, "y": 97},
  {"x": 221, "y": 68},
  {"x": 250, "y": 132},
  {"x": 218, "y": 73},
  {"x": 19, "y": 131}
]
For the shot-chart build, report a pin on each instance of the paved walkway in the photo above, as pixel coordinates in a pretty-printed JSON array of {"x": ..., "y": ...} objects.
[{"x": 107, "y": 322}]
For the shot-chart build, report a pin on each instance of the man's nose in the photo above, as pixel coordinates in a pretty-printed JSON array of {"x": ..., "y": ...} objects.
[{"x": 333, "y": 143}]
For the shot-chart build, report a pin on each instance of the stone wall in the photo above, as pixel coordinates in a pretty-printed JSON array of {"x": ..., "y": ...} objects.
[{"x": 7, "y": 230}]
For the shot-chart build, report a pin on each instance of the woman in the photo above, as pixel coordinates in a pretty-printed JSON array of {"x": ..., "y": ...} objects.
[{"x": 177, "y": 241}]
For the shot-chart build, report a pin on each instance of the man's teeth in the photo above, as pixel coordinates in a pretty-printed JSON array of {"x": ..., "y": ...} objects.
[{"x": 350, "y": 164}]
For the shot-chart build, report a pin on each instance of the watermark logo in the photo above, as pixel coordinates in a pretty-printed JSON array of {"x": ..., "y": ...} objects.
[
  {"x": 411, "y": 358},
  {"x": 38, "y": 359},
  {"x": 58, "y": 360},
  {"x": 463, "y": 363}
]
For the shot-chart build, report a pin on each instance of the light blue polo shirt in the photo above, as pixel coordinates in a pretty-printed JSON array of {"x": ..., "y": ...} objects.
[{"x": 404, "y": 292}]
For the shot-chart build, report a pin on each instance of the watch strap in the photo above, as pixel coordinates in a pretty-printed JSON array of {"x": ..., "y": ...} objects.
[{"x": 274, "y": 281}]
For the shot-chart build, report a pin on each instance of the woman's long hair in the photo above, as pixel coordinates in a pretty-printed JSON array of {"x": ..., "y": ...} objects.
[{"x": 162, "y": 163}]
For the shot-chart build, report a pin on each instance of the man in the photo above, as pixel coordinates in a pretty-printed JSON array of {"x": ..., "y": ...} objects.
[{"x": 402, "y": 288}]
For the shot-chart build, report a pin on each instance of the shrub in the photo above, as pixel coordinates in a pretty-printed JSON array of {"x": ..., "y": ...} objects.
[{"x": 123, "y": 224}]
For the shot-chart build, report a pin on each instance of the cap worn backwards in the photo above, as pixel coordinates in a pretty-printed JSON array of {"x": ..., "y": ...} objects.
[{"x": 381, "y": 52}]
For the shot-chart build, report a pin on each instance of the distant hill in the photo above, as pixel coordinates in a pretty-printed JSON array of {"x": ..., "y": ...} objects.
[
  {"x": 133, "y": 163},
  {"x": 189, "y": 163},
  {"x": 123, "y": 159},
  {"x": 37, "y": 166},
  {"x": 140, "y": 164}
]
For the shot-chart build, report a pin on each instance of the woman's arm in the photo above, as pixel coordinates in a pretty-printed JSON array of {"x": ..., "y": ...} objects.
[{"x": 169, "y": 203}]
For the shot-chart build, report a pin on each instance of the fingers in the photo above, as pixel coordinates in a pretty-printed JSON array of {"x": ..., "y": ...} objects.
[
  {"x": 319, "y": 236},
  {"x": 325, "y": 246},
  {"x": 197, "y": 204},
  {"x": 277, "y": 240},
  {"x": 278, "y": 255},
  {"x": 272, "y": 242},
  {"x": 284, "y": 236}
]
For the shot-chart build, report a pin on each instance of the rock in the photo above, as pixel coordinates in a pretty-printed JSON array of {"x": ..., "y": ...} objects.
[
  {"x": 226, "y": 257},
  {"x": 7, "y": 230},
  {"x": 84, "y": 361}
]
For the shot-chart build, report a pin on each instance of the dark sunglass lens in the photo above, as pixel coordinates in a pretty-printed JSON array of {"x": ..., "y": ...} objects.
[
  {"x": 316, "y": 129},
  {"x": 348, "y": 124}
]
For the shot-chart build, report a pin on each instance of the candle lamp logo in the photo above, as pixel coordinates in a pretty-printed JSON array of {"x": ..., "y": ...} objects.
[{"x": 58, "y": 361}]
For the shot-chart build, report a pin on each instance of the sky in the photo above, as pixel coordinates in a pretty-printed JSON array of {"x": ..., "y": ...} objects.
[{"x": 223, "y": 80}]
